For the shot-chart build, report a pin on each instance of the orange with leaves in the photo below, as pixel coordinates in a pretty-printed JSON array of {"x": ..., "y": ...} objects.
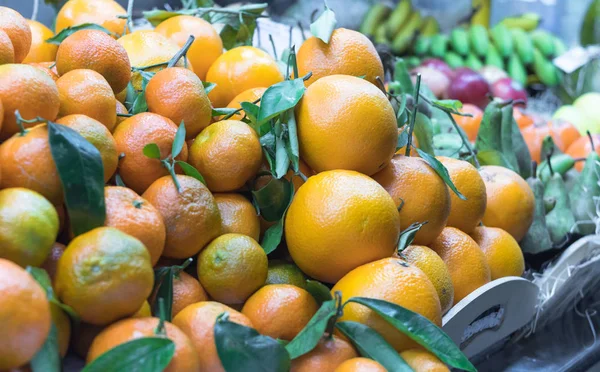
[
  {"x": 330, "y": 353},
  {"x": 40, "y": 50},
  {"x": 250, "y": 95},
  {"x": 421, "y": 360},
  {"x": 563, "y": 134},
  {"x": 187, "y": 290},
  {"x": 360, "y": 365},
  {"x": 17, "y": 29},
  {"x": 103, "y": 12},
  {"x": 47, "y": 68}
]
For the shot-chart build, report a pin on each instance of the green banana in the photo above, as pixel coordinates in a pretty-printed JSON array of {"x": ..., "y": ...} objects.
[
  {"x": 544, "y": 42},
  {"x": 516, "y": 70},
  {"x": 459, "y": 41},
  {"x": 422, "y": 45},
  {"x": 493, "y": 58},
  {"x": 439, "y": 45},
  {"x": 560, "y": 219},
  {"x": 544, "y": 69},
  {"x": 480, "y": 40},
  {"x": 525, "y": 22},
  {"x": 429, "y": 26},
  {"x": 398, "y": 18},
  {"x": 374, "y": 17},
  {"x": 523, "y": 45},
  {"x": 405, "y": 37},
  {"x": 537, "y": 239},
  {"x": 559, "y": 47},
  {"x": 454, "y": 60},
  {"x": 473, "y": 62},
  {"x": 503, "y": 40},
  {"x": 584, "y": 192},
  {"x": 380, "y": 35}
]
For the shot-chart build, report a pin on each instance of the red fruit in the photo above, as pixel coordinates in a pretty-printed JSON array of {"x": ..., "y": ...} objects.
[
  {"x": 469, "y": 87},
  {"x": 508, "y": 88}
]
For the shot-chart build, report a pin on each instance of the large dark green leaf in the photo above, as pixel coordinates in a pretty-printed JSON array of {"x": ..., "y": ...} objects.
[
  {"x": 163, "y": 287},
  {"x": 279, "y": 98},
  {"x": 178, "y": 141},
  {"x": 82, "y": 175},
  {"x": 419, "y": 329},
  {"x": 423, "y": 131},
  {"x": 439, "y": 168},
  {"x": 370, "y": 344},
  {"x": 66, "y": 32},
  {"x": 310, "y": 335},
  {"x": 323, "y": 27},
  {"x": 282, "y": 160},
  {"x": 292, "y": 141},
  {"x": 242, "y": 349},
  {"x": 147, "y": 354},
  {"x": 274, "y": 198},
  {"x": 318, "y": 290},
  {"x": 407, "y": 236},
  {"x": 47, "y": 359}
]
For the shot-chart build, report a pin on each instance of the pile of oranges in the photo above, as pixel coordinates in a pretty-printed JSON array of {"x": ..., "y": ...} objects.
[{"x": 354, "y": 195}]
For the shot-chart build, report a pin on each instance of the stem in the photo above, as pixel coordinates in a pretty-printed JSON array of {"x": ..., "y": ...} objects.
[
  {"x": 339, "y": 311},
  {"x": 273, "y": 46},
  {"x": 171, "y": 168},
  {"x": 548, "y": 158},
  {"x": 160, "y": 328},
  {"x": 465, "y": 140},
  {"x": 36, "y": 6},
  {"x": 181, "y": 52},
  {"x": 413, "y": 117},
  {"x": 591, "y": 139},
  {"x": 20, "y": 122},
  {"x": 128, "y": 24},
  {"x": 301, "y": 31},
  {"x": 534, "y": 166},
  {"x": 125, "y": 115}
]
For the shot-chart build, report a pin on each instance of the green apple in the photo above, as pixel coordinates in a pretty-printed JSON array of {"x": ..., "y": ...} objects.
[
  {"x": 589, "y": 104},
  {"x": 576, "y": 117}
]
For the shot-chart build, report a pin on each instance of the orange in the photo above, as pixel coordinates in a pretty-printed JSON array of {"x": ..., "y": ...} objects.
[
  {"x": 144, "y": 311},
  {"x": 240, "y": 69},
  {"x": 40, "y": 50},
  {"x": 523, "y": 120},
  {"x": 99, "y": 136},
  {"x": 282, "y": 272},
  {"x": 238, "y": 215},
  {"x": 146, "y": 48},
  {"x": 26, "y": 161},
  {"x": 184, "y": 359},
  {"x": 227, "y": 154},
  {"x": 339, "y": 220},
  {"x": 28, "y": 226},
  {"x": 280, "y": 311},
  {"x": 510, "y": 201},
  {"x": 136, "y": 169},
  {"x": 419, "y": 193},
  {"x": 87, "y": 92},
  {"x": 190, "y": 226},
  {"x": 133, "y": 215},
  {"x": 121, "y": 109},
  {"x": 503, "y": 254},
  {"x": 205, "y": 49},
  {"x": 465, "y": 261},
  {"x": 421, "y": 360},
  {"x": 178, "y": 94},
  {"x": 346, "y": 123},
  {"x": 47, "y": 68},
  {"x": 581, "y": 148},
  {"x": 95, "y": 50},
  {"x": 465, "y": 214},
  {"x": 563, "y": 133},
  {"x": 24, "y": 313},
  {"x": 63, "y": 327},
  {"x": 104, "y": 275},
  {"x": 395, "y": 281},
  {"x": 360, "y": 365},
  {"x": 434, "y": 267},
  {"x": 121, "y": 96},
  {"x": 51, "y": 261},
  {"x": 7, "y": 51},
  {"x": 232, "y": 267},
  {"x": 469, "y": 124},
  {"x": 103, "y": 12},
  {"x": 347, "y": 53},
  {"x": 186, "y": 291},
  {"x": 197, "y": 321},
  {"x": 329, "y": 354},
  {"x": 18, "y": 31},
  {"x": 29, "y": 90},
  {"x": 249, "y": 95}
]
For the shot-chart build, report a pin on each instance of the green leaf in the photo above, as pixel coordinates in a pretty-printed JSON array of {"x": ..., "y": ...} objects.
[
  {"x": 151, "y": 151},
  {"x": 189, "y": 170},
  {"x": 319, "y": 291},
  {"x": 146, "y": 354},
  {"x": 242, "y": 349},
  {"x": 279, "y": 98},
  {"x": 47, "y": 359},
  {"x": 224, "y": 111},
  {"x": 407, "y": 236},
  {"x": 272, "y": 237},
  {"x": 208, "y": 86},
  {"x": 402, "y": 76},
  {"x": 371, "y": 344},
  {"x": 41, "y": 276},
  {"x": 402, "y": 114},
  {"x": 274, "y": 198},
  {"x": 66, "y": 32},
  {"x": 157, "y": 16},
  {"x": 402, "y": 139},
  {"x": 506, "y": 138},
  {"x": 450, "y": 104},
  {"x": 239, "y": 27},
  {"x": 492, "y": 157},
  {"x": 82, "y": 175},
  {"x": 251, "y": 111},
  {"x": 519, "y": 147},
  {"x": 163, "y": 287},
  {"x": 130, "y": 97},
  {"x": 441, "y": 171},
  {"x": 423, "y": 131},
  {"x": 310, "y": 335},
  {"x": 292, "y": 141},
  {"x": 323, "y": 27},
  {"x": 420, "y": 330},
  {"x": 178, "y": 141},
  {"x": 282, "y": 160}
]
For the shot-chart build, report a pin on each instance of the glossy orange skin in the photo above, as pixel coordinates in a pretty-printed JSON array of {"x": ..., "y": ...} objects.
[
  {"x": 360, "y": 365},
  {"x": 137, "y": 170},
  {"x": 465, "y": 260},
  {"x": 347, "y": 53},
  {"x": 7, "y": 51},
  {"x": 184, "y": 359},
  {"x": 339, "y": 220},
  {"x": 503, "y": 254},
  {"x": 197, "y": 321},
  {"x": 469, "y": 124},
  {"x": 190, "y": 226},
  {"x": 104, "y": 275},
  {"x": 130, "y": 213},
  {"x": 240, "y": 69},
  {"x": 395, "y": 281},
  {"x": 29, "y": 90},
  {"x": 177, "y": 93},
  {"x": 47, "y": 68},
  {"x": 40, "y": 50},
  {"x": 17, "y": 29},
  {"x": 121, "y": 109},
  {"x": 510, "y": 201},
  {"x": 103, "y": 12},
  {"x": 329, "y": 354},
  {"x": 238, "y": 215},
  {"x": 581, "y": 148},
  {"x": 249, "y": 95},
  {"x": 52, "y": 260},
  {"x": 421, "y": 360},
  {"x": 187, "y": 290},
  {"x": 346, "y": 123},
  {"x": 95, "y": 50},
  {"x": 87, "y": 92},
  {"x": 423, "y": 195},
  {"x": 205, "y": 49},
  {"x": 24, "y": 313},
  {"x": 562, "y": 132}
]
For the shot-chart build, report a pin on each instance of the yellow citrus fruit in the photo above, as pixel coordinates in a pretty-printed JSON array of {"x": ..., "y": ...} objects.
[
  {"x": 18, "y": 31},
  {"x": 510, "y": 201},
  {"x": 7, "y": 51},
  {"x": 339, "y": 220},
  {"x": 465, "y": 260},
  {"x": 238, "y": 215},
  {"x": 348, "y": 53},
  {"x": 103, "y": 12},
  {"x": 143, "y": 312},
  {"x": 249, "y": 95},
  {"x": 421, "y": 360},
  {"x": 360, "y": 365},
  {"x": 187, "y": 290},
  {"x": 329, "y": 354},
  {"x": 503, "y": 254},
  {"x": 346, "y": 123},
  {"x": 282, "y": 272},
  {"x": 40, "y": 50},
  {"x": 240, "y": 69},
  {"x": 465, "y": 215},
  {"x": 232, "y": 267},
  {"x": 205, "y": 49},
  {"x": 47, "y": 68},
  {"x": 395, "y": 281}
]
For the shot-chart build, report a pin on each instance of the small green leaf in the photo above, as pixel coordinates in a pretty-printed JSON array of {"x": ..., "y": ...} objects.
[
  {"x": 189, "y": 170},
  {"x": 151, "y": 151},
  {"x": 157, "y": 16},
  {"x": 282, "y": 160},
  {"x": 228, "y": 112},
  {"x": 66, "y": 32},
  {"x": 279, "y": 98},
  {"x": 402, "y": 139},
  {"x": 402, "y": 114},
  {"x": 441, "y": 171},
  {"x": 371, "y": 344},
  {"x": 146, "y": 354},
  {"x": 492, "y": 157},
  {"x": 310, "y": 335},
  {"x": 292, "y": 141},
  {"x": 130, "y": 97},
  {"x": 449, "y": 104},
  {"x": 163, "y": 287},
  {"x": 242, "y": 349},
  {"x": 274, "y": 198},
  {"x": 407, "y": 236},
  {"x": 272, "y": 237},
  {"x": 178, "y": 141},
  {"x": 402, "y": 76},
  {"x": 319, "y": 291},
  {"x": 208, "y": 86},
  {"x": 47, "y": 359},
  {"x": 423, "y": 131},
  {"x": 251, "y": 111},
  {"x": 323, "y": 27}
]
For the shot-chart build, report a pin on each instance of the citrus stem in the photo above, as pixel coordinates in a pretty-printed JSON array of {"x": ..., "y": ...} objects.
[
  {"x": 591, "y": 139},
  {"x": 549, "y": 160},
  {"x": 36, "y": 6},
  {"x": 124, "y": 115},
  {"x": 179, "y": 268},
  {"x": 20, "y": 121},
  {"x": 273, "y": 46},
  {"x": 170, "y": 165},
  {"x": 465, "y": 140},
  {"x": 182, "y": 52},
  {"x": 162, "y": 315},
  {"x": 128, "y": 25},
  {"x": 338, "y": 313},
  {"x": 413, "y": 118}
]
